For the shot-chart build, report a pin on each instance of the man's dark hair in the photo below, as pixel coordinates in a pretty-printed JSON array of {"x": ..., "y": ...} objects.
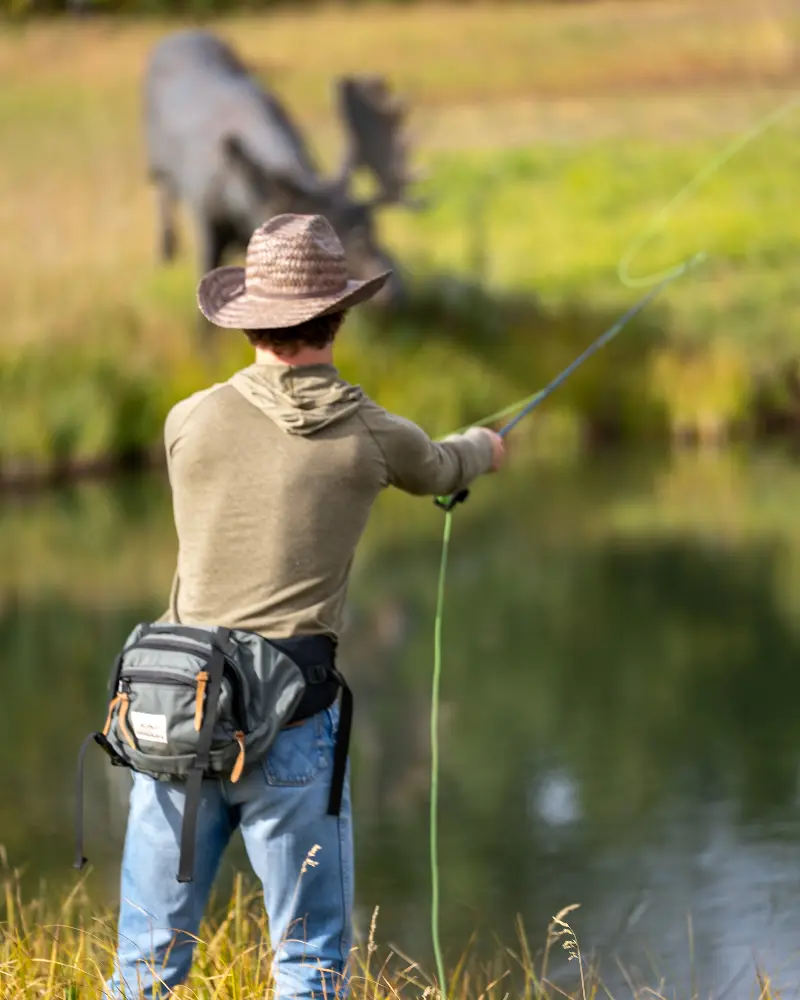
[{"x": 317, "y": 332}]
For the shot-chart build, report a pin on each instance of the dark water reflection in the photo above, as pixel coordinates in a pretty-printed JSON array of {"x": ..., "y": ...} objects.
[{"x": 620, "y": 725}]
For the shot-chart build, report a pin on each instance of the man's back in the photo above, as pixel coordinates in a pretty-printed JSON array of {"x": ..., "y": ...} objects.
[
  {"x": 269, "y": 501},
  {"x": 273, "y": 477}
]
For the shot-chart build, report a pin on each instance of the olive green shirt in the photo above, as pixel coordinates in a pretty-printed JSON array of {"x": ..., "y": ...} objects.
[{"x": 273, "y": 475}]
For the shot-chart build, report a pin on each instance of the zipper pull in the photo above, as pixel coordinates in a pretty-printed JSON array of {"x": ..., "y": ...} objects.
[
  {"x": 123, "y": 721},
  {"x": 111, "y": 706},
  {"x": 238, "y": 767},
  {"x": 202, "y": 680}
]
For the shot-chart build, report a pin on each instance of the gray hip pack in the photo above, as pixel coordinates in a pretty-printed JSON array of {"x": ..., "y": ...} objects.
[{"x": 191, "y": 703}]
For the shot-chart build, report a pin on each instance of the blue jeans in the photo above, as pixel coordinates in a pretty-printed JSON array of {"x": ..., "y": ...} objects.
[{"x": 281, "y": 808}]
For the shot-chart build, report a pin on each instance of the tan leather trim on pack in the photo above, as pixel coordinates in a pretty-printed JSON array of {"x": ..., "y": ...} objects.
[
  {"x": 111, "y": 706},
  {"x": 123, "y": 720},
  {"x": 238, "y": 767},
  {"x": 202, "y": 680}
]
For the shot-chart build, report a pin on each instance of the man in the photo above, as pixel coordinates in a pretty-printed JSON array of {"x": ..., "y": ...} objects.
[{"x": 273, "y": 475}]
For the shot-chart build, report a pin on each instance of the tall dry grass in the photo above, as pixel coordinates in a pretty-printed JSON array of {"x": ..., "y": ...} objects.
[{"x": 66, "y": 952}]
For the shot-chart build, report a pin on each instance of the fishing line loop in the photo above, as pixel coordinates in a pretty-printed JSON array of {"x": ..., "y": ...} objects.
[{"x": 665, "y": 214}]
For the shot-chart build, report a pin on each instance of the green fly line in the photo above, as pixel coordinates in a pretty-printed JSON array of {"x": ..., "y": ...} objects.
[
  {"x": 435, "y": 703},
  {"x": 437, "y": 676},
  {"x": 658, "y": 222}
]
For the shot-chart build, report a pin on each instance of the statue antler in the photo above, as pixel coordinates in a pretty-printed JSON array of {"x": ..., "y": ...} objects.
[{"x": 374, "y": 120}]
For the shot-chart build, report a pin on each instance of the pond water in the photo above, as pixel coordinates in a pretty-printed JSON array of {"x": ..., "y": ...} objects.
[{"x": 620, "y": 723}]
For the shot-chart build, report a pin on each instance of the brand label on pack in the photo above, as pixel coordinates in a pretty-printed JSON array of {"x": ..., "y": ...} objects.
[{"x": 147, "y": 726}]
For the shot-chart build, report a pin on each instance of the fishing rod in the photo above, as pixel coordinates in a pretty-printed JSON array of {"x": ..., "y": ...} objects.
[{"x": 448, "y": 503}]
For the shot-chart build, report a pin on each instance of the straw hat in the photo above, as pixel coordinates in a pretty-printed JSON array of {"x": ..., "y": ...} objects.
[{"x": 295, "y": 270}]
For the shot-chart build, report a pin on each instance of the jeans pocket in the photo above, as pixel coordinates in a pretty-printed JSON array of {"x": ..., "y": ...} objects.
[{"x": 297, "y": 754}]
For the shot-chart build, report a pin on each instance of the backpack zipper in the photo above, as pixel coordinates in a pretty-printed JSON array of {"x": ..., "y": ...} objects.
[
  {"x": 157, "y": 677},
  {"x": 172, "y": 646},
  {"x": 166, "y": 677}
]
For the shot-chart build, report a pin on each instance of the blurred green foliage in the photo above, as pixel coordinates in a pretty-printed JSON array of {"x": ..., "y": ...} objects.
[
  {"x": 182, "y": 8},
  {"x": 455, "y": 355},
  {"x": 512, "y": 266}
]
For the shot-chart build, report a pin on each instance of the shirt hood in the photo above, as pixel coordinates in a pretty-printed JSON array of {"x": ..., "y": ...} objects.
[{"x": 300, "y": 399}]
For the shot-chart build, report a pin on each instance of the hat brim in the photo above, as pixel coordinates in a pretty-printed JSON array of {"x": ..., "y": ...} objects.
[{"x": 224, "y": 301}]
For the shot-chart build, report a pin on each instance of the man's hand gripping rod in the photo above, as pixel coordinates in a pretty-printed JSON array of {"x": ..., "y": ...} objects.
[{"x": 448, "y": 503}]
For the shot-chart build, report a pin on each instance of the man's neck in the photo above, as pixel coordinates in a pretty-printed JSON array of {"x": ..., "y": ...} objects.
[{"x": 305, "y": 356}]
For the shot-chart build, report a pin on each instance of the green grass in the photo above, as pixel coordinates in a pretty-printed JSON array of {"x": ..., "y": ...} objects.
[
  {"x": 551, "y": 135},
  {"x": 559, "y": 220}
]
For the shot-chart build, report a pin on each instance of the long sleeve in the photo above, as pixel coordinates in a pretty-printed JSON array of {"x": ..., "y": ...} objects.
[
  {"x": 173, "y": 429},
  {"x": 423, "y": 467}
]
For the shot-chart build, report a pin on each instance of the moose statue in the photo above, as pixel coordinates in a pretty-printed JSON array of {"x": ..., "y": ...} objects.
[{"x": 226, "y": 148}]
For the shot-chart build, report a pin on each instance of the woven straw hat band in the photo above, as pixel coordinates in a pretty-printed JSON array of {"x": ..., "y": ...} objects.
[{"x": 295, "y": 257}]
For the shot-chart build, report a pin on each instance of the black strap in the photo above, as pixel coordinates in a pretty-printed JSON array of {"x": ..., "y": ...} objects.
[
  {"x": 315, "y": 655},
  {"x": 115, "y": 672},
  {"x": 80, "y": 860},
  {"x": 216, "y": 667},
  {"x": 342, "y": 747},
  {"x": 99, "y": 738}
]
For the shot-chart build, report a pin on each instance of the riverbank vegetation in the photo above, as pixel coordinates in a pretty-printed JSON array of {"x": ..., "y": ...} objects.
[
  {"x": 550, "y": 136},
  {"x": 65, "y": 952}
]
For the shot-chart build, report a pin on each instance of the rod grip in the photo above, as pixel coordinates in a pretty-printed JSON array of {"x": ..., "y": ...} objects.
[{"x": 448, "y": 503}]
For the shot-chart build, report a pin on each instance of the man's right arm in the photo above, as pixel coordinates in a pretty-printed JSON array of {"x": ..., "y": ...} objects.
[{"x": 417, "y": 465}]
